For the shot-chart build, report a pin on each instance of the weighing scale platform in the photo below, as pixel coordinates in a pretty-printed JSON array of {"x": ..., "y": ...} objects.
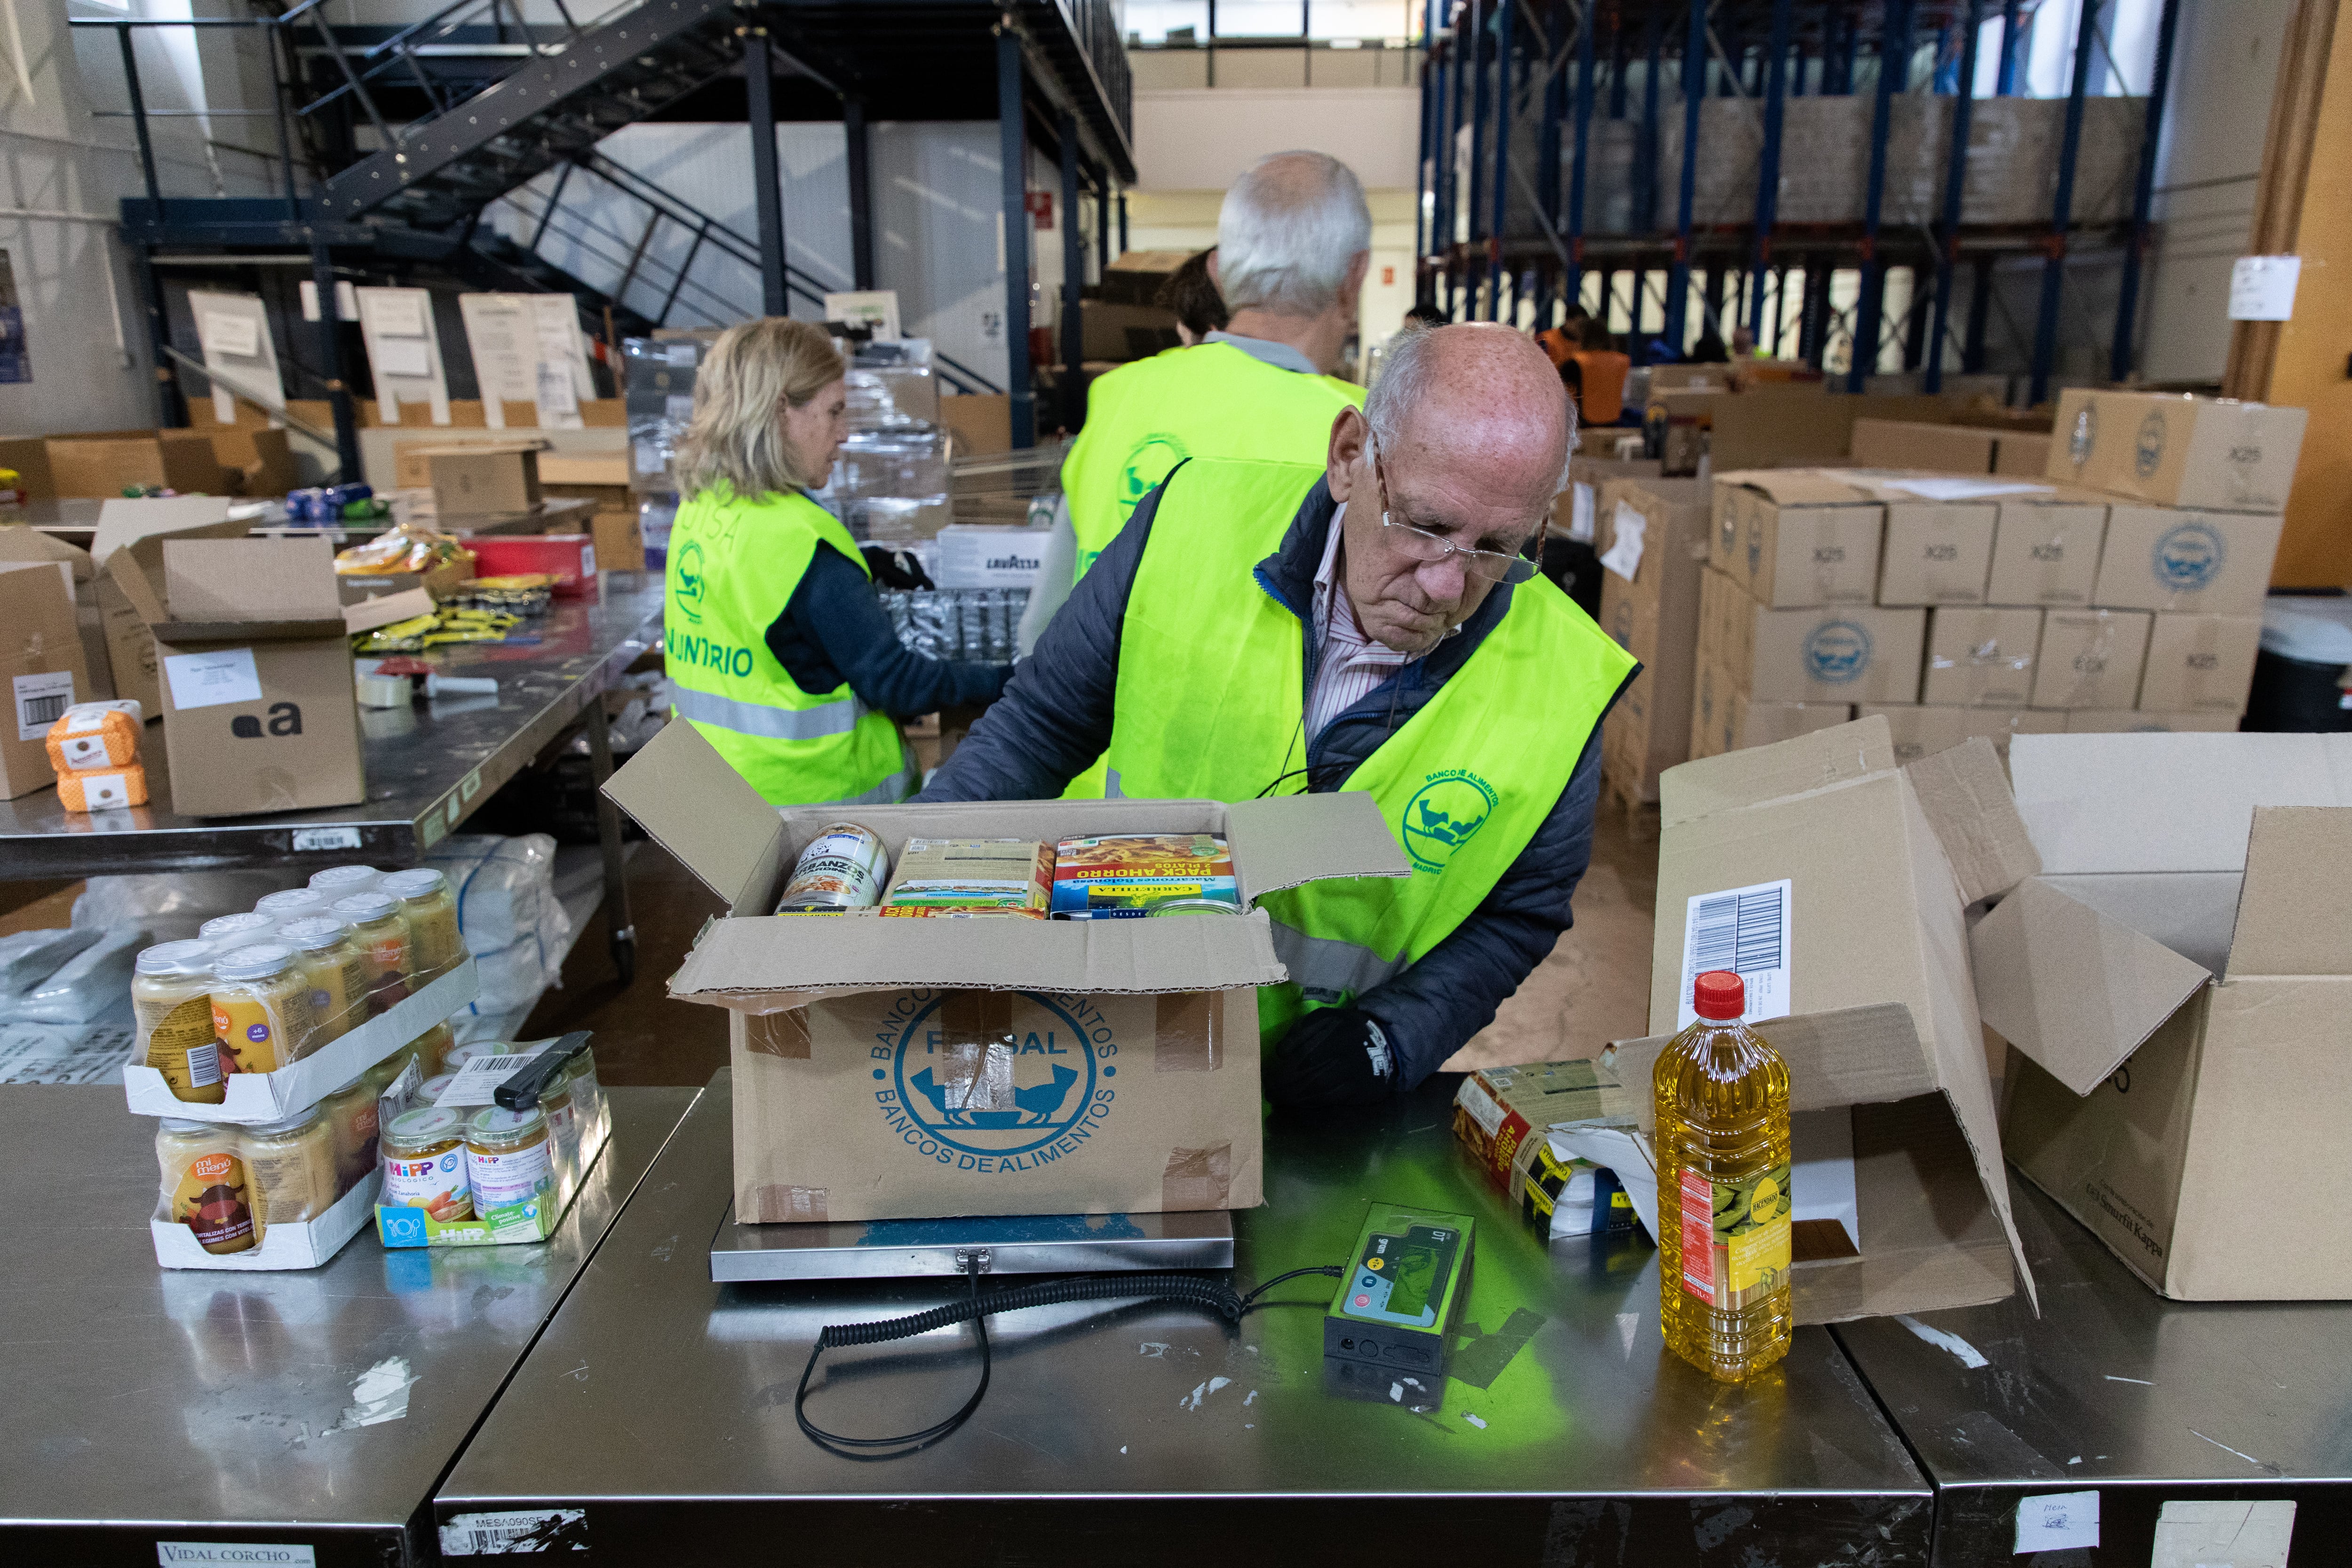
[{"x": 1023, "y": 1244}]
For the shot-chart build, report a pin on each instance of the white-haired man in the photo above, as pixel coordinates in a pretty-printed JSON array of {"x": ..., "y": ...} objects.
[
  {"x": 1294, "y": 237},
  {"x": 1375, "y": 624}
]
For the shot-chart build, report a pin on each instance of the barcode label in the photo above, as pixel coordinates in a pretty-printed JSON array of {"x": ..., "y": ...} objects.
[
  {"x": 1744, "y": 929},
  {"x": 539, "y": 1530},
  {"x": 41, "y": 700},
  {"x": 326, "y": 838}
]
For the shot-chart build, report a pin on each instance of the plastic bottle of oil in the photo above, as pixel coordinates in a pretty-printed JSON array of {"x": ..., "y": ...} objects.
[{"x": 1722, "y": 1100}]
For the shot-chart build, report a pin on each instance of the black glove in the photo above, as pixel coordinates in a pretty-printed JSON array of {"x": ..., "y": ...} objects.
[{"x": 1332, "y": 1056}]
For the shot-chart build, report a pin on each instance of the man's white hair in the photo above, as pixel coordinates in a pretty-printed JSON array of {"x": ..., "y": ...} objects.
[
  {"x": 1405, "y": 375},
  {"x": 1289, "y": 229}
]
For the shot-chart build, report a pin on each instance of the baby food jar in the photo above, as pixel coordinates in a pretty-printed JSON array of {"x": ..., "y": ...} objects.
[
  {"x": 340, "y": 881},
  {"x": 171, "y": 1002},
  {"x": 291, "y": 1165},
  {"x": 431, "y": 911},
  {"x": 260, "y": 1006},
  {"x": 424, "y": 1164},
  {"x": 292, "y": 904},
  {"x": 333, "y": 973},
  {"x": 351, "y": 1117},
  {"x": 457, "y": 1056},
  {"x": 205, "y": 1186},
  {"x": 430, "y": 1090},
  {"x": 432, "y": 1050},
  {"x": 507, "y": 1160},
  {"x": 227, "y": 932},
  {"x": 382, "y": 936}
]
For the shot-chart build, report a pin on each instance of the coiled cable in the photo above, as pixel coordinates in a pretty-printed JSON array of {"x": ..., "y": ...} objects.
[{"x": 1187, "y": 1289}]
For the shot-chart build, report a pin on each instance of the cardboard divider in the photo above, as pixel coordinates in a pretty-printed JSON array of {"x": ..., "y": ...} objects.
[
  {"x": 253, "y": 1098},
  {"x": 303, "y": 1245}
]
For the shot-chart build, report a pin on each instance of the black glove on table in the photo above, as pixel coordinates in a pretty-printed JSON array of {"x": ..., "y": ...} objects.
[{"x": 1332, "y": 1056}]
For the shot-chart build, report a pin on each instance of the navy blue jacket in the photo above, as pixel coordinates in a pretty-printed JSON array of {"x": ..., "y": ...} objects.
[
  {"x": 1055, "y": 720},
  {"x": 834, "y": 630}
]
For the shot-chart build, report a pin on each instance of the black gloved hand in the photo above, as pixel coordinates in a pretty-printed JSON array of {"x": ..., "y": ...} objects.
[{"x": 1333, "y": 1056}]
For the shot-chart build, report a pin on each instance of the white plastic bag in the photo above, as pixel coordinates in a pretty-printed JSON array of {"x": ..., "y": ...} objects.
[
  {"x": 504, "y": 889},
  {"x": 29, "y": 957},
  {"x": 93, "y": 980},
  {"x": 172, "y": 906}
]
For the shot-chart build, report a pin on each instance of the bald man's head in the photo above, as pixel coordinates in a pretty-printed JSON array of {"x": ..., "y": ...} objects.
[{"x": 1478, "y": 396}]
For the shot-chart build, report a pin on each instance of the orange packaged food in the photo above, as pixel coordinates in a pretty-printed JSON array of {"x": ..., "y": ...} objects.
[
  {"x": 107, "y": 791},
  {"x": 95, "y": 736}
]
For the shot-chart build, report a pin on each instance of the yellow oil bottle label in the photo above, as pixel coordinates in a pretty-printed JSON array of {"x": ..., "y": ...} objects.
[{"x": 1736, "y": 1237}]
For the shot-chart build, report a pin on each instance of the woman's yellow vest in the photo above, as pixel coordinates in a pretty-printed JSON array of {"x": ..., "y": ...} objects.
[
  {"x": 733, "y": 565},
  {"x": 1210, "y": 703}
]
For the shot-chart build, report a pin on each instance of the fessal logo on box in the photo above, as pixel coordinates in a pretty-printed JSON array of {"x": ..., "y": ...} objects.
[
  {"x": 1019, "y": 1101},
  {"x": 2147, "y": 452},
  {"x": 1837, "y": 652},
  {"x": 2190, "y": 557},
  {"x": 2083, "y": 436}
]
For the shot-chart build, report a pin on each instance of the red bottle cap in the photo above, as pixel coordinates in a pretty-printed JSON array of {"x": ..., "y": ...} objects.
[{"x": 1719, "y": 994}]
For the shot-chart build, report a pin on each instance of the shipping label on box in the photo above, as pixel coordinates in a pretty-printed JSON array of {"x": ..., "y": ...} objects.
[
  {"x": 1979, "y": 657},
  {"x": 2045, "y": 551},
  {"x": 1937, "y": 553},
  {"x": 2090, "y": 658},
  {"x": 2157, "y": 558},
  {"x": 2200, "y": 663},
  {"x": 1853, "y": 653},
  {"x": 2177, "y": 450}
]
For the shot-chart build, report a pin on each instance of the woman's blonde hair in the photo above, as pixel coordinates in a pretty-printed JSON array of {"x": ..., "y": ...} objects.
[{"x": 736, "y": 434}]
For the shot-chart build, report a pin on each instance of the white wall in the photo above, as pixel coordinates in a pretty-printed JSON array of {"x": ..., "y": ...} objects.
[{"x": 1200, "y": 139}]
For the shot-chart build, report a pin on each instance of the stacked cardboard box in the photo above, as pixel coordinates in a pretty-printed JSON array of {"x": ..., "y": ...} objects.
[{"x": 1653, "y": 537}]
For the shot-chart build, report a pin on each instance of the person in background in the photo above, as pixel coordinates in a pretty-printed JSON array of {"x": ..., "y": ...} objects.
[
  {"x": 1424, "y": 316},
  {"x": 1373, "y": 624},
  {"x": 779, "y": 650},
  {"x": 1192, "y": 294}
]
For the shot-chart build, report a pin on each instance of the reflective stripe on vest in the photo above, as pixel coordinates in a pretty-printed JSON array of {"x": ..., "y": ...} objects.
[
  {"x": 1465, "y": 783},
  {"x": 1212, "y": 400},
  {"x": 733, "y": 566}
]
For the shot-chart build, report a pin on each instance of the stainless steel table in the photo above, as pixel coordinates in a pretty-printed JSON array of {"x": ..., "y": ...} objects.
[
  {"x": 147, "y": 1406},
  {"x": 660, "y": 1407},
  {"x": 428, "y": 767},
  {"x": 2116, "y": 1390}
]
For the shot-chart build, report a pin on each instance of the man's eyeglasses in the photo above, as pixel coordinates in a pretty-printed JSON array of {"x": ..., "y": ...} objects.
[{"x": 1421, "y": 546}]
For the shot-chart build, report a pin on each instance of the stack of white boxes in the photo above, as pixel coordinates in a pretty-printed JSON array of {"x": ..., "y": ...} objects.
[{"x": 2127, "y": 594}]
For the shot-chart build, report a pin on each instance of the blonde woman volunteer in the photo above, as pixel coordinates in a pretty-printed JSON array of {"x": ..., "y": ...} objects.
[{"x": 774, "y": 640}]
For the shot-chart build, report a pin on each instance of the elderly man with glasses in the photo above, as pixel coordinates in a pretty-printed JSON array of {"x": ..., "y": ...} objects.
[{"x": 1261, "y": 628}]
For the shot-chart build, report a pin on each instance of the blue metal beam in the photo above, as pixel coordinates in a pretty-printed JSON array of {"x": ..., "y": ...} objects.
[
  {"x": 1646, "y": 151},
  {"x": 1477, "y": 65},
  {"x": 2143, "y": 193},
  {"x": 1894, "y": 76},
  {"x": 767, "y": 195},
  {"x": 1499, "y": 208},
  {"x": 1425, "y": 172},
  {"x": 2012, "y": 39},
  {"x": 1013, "y": 159},
  {"x": 1768, "y": 174},
  {"x": 1074, "y": 281},
  {"x": 1947, "y": 243},
  {"x": 1574, "y": 287},
  {"x": 2062, "y": 208},
  {"x": 1694, "y": 94}
]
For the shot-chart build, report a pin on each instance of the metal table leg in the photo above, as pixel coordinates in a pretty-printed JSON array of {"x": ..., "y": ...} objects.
[{"x": 618, "y": 920}]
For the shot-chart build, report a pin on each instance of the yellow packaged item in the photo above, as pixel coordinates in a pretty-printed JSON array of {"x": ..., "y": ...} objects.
[
  {"x": 95, "y": 736},
  {"x": 108, "y": 791}
]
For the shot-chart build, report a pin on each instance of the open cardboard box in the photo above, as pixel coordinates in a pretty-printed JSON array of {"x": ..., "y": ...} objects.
[
  {"x": 2175, "y": 984},
  {"x": 1118, "y": 1059},
  {"x": 1861, "y": 870}
]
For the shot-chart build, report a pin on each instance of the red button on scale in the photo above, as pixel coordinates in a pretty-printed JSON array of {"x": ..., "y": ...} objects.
[{"x": 1363, "y": 1300}]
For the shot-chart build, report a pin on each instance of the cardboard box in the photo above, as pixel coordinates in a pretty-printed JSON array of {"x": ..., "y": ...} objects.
[
  {"x": 104, "y": 464},
  {"x": 259, "y": 711},
  {"x": 980, "y": 422},
  {"x": 571, "y": 558},
  {"x": 1122, "y": 333},
  {"x": 1575, "y": 511},
  {"x": 2090, "y": 658},
  {"x": 258, "y": 458},
  {"x": 984, "y": 555},
  {"x": 19, "y": 542},
  {"x": 599, "y": 476},
  {"x": 41, "y": 660},
  {"x": 1654, "y": 615},
  {"x": 1980, "y": 657},
  {"x": 1134, "y": 276},
  {"x": 1783, "y": 426},
  {"x": 1922, "y": 731},
  {"x": 2177, "y": 450},
  {"x": 141, "y": 527},
  {"x": 1936, "y": 552},
  {"x": 2132, "y": 721},
  {"x": 2160, "y": 558},
  {"x": 2022, "y": 454},
  {"x": 29, "y": 456},
  {"x": 619, "y": 538},
  {"x": 478, "y": 480},
  {"x": 2045, "y": 549},
  {"x": 2199, "y": 663},
  {"x": 1936, "y": 448},
  {"x": 1844, "y": 653},
  {"x": 1726, "y": 718},
  {"x": 1862, "y": 869},
  {"x": 1119, "y": 1059},
  {"x": 2174, "y": 985},
  {"x": 1797, "y": 537}
]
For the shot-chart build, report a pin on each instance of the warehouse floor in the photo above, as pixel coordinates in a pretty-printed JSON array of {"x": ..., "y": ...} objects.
[{"x": 1594, "y": 987}]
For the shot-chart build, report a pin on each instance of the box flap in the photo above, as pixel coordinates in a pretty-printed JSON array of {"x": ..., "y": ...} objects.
[
  {"x": 2075, "y": 989},
  {"x": 1855, "y": 1056},
  {"x": 2166, "y": 802},
  {"x": 1799, "y": 487},
  {"x": 23, "y": 542},
  {"x": 1284, "y": 840},
  {"x": 697, "y": 806},
  {"x": 2294, "y": 910},
  {"x": 143, "y": 590},
  {"x": 741, "y": 963},
  {"x": 1966, "y": 796},
  {"x": 251, "y": 580},
  {"x": 384, "y": 609},
  {"x": 123, "y": 524},
  {"x": 1822, "y": 760}
]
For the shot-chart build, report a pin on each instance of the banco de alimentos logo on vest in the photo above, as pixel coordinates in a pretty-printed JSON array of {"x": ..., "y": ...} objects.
[
  {"x": 1449, "y": 808},
  {"x": 1033, "y": 1093},
  {"x": 1146, "y": 467},
  {"x": 687, "y": 587}
]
